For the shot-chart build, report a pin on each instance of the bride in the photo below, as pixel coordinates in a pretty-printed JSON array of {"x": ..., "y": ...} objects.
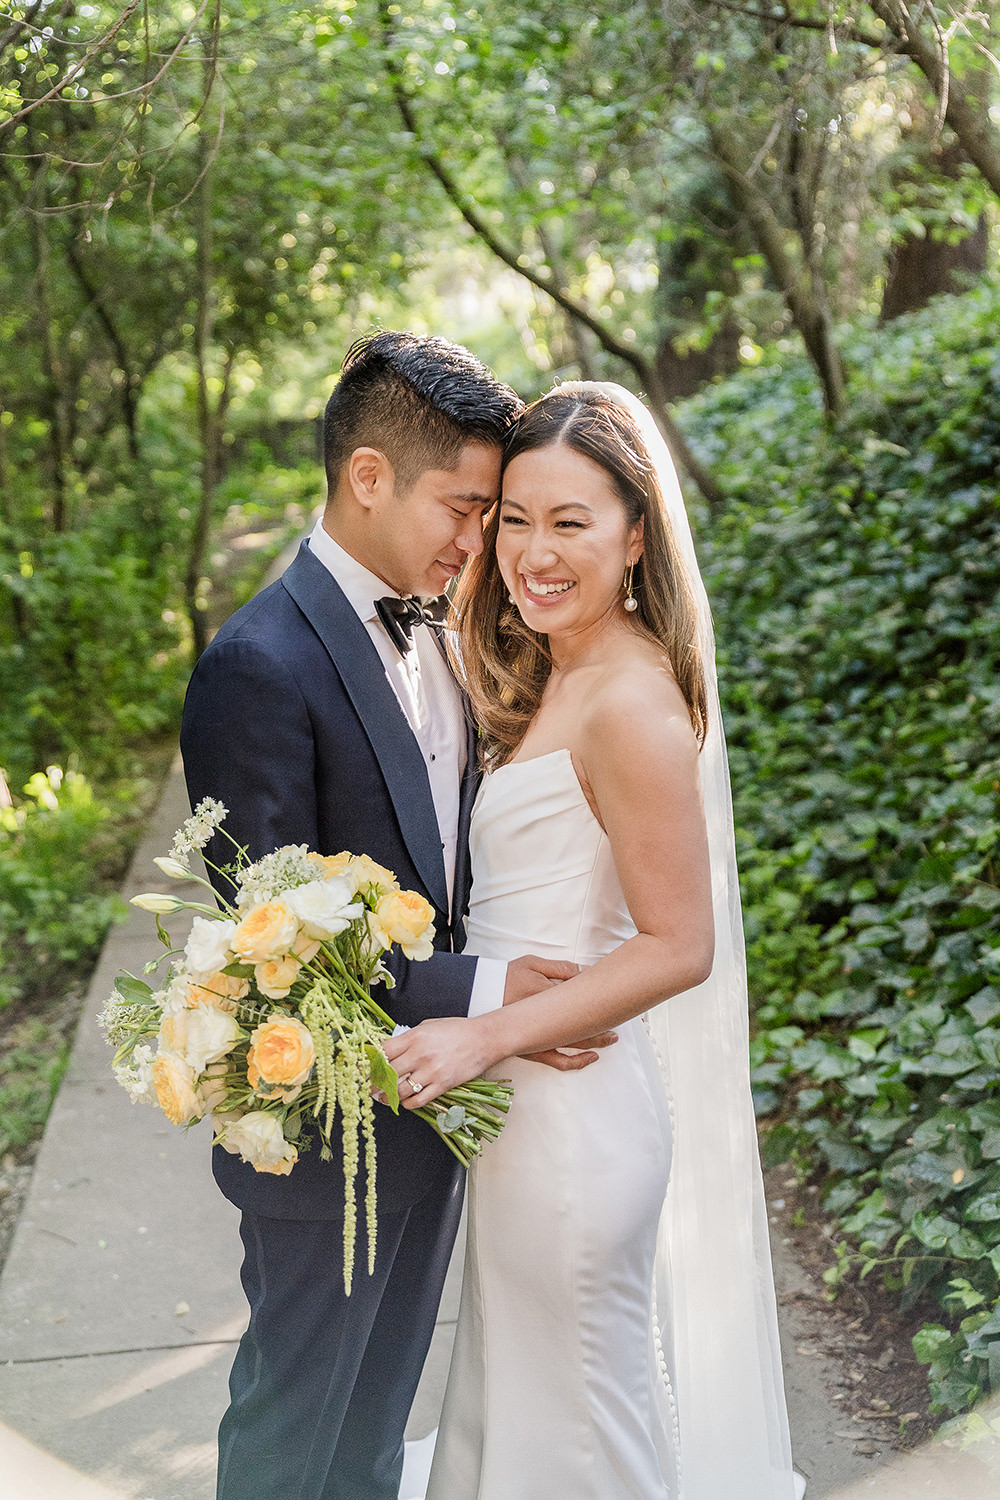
[{"x": 617, "y": 1336}]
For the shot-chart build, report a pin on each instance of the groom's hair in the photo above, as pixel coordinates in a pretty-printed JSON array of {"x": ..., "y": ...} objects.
[{"x": 418, "y": 401}]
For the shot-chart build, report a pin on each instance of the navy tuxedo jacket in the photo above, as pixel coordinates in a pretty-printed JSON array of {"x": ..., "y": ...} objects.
[{"x": 291, "y": 722}]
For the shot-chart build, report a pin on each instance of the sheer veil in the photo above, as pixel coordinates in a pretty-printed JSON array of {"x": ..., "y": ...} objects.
[{"x": 717, "y": 1328}]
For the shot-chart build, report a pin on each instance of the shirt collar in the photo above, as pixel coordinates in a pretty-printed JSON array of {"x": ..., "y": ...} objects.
[{"x": 361, "y": 587}]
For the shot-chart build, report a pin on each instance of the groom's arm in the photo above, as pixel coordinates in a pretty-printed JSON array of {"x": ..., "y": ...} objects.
[{"x": 247, "y": 740}]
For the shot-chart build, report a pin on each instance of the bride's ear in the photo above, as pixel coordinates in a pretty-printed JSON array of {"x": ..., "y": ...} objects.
[{"x": 636, "y": 541}]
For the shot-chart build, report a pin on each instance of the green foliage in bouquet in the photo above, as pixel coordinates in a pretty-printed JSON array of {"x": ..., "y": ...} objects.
[
  {"x": 267, "y": 1020},
  {"x": 855, "y": 578}
]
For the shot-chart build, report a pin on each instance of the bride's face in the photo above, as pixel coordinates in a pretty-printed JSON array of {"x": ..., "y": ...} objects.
[{"x": 564, "y": 541}]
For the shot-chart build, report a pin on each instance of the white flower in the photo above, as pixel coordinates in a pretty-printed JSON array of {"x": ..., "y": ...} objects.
[
  {"x": 275, "y": 874},
  {"x": 212, "y": 1088},
  {"x": 324, "y": 907},
  {"x": 175, "y": 997},
  {"x": 375, "y": 940},
  {"x": 196, "y": 832},
  {"x": 154, "y": 901},
  {"x": 207, "y": 947},
  {"x": 173, "y": 868},
  {"x": 257, "y": 1138},
  {"x": 199, "y": 1036},
  {"x": 136, "y": 1076}
]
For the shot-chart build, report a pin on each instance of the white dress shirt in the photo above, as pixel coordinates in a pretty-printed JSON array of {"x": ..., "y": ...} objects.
[{"x": 432, "y": 703}]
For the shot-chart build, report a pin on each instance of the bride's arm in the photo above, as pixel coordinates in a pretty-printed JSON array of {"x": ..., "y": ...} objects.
[{"x": 640, "y": 759}]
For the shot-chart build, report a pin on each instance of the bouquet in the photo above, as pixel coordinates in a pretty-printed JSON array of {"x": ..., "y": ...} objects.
[{"x": 266, "y": 1018}]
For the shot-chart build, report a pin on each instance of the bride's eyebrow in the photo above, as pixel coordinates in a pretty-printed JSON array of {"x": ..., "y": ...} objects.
[{"x": 553, "y": 509}]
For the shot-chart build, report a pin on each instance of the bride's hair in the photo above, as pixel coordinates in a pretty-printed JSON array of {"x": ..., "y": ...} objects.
[{"x": 502, "y": 663}]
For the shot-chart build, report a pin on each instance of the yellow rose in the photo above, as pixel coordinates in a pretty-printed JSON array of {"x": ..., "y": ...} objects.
[
  {"x": 306, "y": 948},
  {"x": 222, "y": 990},
  {"x": 276, "y": 977},
  {"x": 405, "y": 918},
  {"x": 281, "y": 1052},
  {"x": 173, "y": 1081},
  {"x": 265, "y": 932},
  {"x": 330, "y": 864},
  {"x": 365, "y": 872},
  {"x": 281, "y": 1168}
]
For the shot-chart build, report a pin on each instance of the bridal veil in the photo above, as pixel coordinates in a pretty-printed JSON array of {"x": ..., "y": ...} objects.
[{"x": 714, "y": 1293}]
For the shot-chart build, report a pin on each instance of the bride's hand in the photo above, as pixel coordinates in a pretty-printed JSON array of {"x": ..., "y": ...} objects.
[{"x": 436, "y": 1056}]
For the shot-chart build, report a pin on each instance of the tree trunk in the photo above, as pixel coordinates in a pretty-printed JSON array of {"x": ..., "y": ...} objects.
[
  {"x": 922, "y": 266},
  {"x": 208, "y": 433},
  {"x": 55, "y": 401},
  {"x": 802, "y": 291},
  {"x": 131, "y": 387}
]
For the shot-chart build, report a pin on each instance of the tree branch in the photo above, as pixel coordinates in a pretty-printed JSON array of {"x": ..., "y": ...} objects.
[
  {"x": 980, "y": 141},
  {"x": 76, "y": 69},
  {"x": 644, "y": 371},
  {"x": 846, "y": 32}
]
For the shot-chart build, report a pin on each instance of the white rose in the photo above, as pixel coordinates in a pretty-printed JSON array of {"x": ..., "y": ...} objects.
[
  {"x": 207, "y": 947},
  {"x": 212, "y": 1088},
  {"x": 324, "y": 907},
  {"x": 199, "y": 1036},
  {"x": 257, "y": 1138}
]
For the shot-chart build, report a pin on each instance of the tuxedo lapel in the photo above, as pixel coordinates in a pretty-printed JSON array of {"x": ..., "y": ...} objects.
[
  {"x": 357, "y": 663},
  {"x": 471, "y": 778},
  {"x": 467, "y": 796}
]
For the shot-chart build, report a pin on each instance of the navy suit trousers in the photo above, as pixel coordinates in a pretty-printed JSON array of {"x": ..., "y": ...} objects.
[{"x": 322, "y": 1383}]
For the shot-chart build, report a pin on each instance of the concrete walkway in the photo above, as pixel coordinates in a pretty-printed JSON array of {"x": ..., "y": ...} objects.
[{"x": 120, "y": 1304}]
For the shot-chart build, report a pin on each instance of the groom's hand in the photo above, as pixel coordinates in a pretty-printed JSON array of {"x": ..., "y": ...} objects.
[{"x": 530, "y": 976}]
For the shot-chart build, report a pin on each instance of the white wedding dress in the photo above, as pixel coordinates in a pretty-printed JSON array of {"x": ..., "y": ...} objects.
[{"x": 559, "y": 1386}]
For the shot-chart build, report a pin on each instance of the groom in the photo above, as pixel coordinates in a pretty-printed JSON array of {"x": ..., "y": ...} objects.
[{"x": 324, "y": 713}]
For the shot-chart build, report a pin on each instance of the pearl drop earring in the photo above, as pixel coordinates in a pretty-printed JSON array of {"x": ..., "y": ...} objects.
[{"x": 631, "y": 603}]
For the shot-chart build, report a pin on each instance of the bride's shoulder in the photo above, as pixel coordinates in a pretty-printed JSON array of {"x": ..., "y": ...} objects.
[{"x": 636, "y": 701}]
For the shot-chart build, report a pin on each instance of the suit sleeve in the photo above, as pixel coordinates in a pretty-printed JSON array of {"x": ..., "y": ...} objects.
[
  {"x": 438, "y": 986},
  {"x": 247, "y": 740}
]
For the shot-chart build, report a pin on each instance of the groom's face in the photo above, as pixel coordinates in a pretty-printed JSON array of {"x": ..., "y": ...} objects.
[{"x": 420, "y": 539}]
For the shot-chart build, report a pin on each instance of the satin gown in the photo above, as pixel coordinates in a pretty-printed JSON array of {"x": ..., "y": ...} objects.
[{"x": 558, "y": 1388}]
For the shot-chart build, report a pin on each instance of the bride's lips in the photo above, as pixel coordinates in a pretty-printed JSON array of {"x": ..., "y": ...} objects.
[{"x": 552, "y": 590}]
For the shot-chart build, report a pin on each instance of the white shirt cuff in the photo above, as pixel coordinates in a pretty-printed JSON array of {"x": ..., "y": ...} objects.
[{"x": 488, "y": 986}]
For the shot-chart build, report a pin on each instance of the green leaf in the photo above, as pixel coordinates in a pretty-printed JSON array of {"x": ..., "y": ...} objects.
[
  {"x": 933, "y": 1230},
  {"x": 778, "y": 1145},
  {"x": 985, "y": 1209},
  {"x": 135, "y": 991},
  {"x": 931, "y": 1342},
  {"x": 452, "y": 1119},
  {"x": 384, "y": 1076}
]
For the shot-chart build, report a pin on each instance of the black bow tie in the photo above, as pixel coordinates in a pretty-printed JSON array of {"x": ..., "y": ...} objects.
[{"x": 400, "y": 615}]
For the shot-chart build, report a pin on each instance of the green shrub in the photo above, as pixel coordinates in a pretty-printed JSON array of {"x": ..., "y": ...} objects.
[
  {"x": 56, "y": 846},
  {"x": 855, "y": 575},
  {"x": 30, "y": 1073}
]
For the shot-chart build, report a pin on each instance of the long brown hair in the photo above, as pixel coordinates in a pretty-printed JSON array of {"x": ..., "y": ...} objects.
[{"x": 503, "y": 664}]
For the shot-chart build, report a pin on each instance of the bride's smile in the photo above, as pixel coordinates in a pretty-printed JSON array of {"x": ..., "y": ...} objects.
[{"x": 564, "y": 542}]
